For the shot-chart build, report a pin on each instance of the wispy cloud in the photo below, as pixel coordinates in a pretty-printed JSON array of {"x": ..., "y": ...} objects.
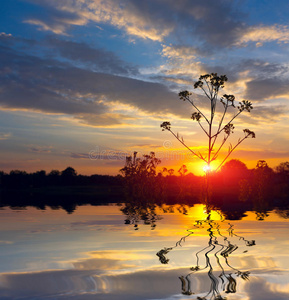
[
  {"x": 5, "y": 135},
  {"x": 40, "y": 149},
  {"x": 264, "y": 34}
]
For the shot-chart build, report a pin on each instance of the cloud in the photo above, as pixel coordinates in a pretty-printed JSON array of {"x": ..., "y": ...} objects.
[
  {"x": 269, "y": 113},
  {"x": 268, "y": 88},
  {"x": 151, "y": 146},
  {"x": 203, "y": 23},
  {"x": 5, "y": 135},
  {"x": 261, "y": 68},
  {"x": 101, "y": 59},
  {"x": 40, "y": 149},
  {"x": 50, "y": 86},
  {"x": 264, "y": 34},
  {"x": 104, "y": 120},
  {"x": 132, "y": 16},
  {"x": 262, "y": 154},
  {"x": 78, "y": 54},
  {"x": 3, "y": 34},
  {"x": 79, "y": 155},
  {"x": 209, "y": 22},
  {"x": 54, "y": 18}
]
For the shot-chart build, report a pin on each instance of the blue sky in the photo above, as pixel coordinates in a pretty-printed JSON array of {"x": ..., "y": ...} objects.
[{"x": 89, "y": 75}]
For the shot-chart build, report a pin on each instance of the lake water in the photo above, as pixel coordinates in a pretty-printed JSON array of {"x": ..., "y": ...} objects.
[{"x": 98, "y": 252}]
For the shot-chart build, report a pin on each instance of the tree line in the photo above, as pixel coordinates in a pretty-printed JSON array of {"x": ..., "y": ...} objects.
[
  {"x": 17, "y": 179},
  {"x": 142, "y": 178}
]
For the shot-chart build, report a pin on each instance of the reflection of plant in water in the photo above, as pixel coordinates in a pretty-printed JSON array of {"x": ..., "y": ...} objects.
[{"x": 220, "y": 246}]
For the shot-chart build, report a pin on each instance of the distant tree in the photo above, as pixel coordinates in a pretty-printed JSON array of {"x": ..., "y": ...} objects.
[
  {"x": 183, "y": 170},
  {"x": 39, "y": 178},
  {"x": 2, "y": 174},
  {"x": 69, "y": 171},
  {"x": 54, "y": 177},
  {"x": 236, "y": 176},
  {"x": 68, "y": 176},
  {"x": 234, "y": 165},
  {"x": 234, "y": 170},
  {"x": 263, "y": 189},
  {"x": 171, "y": 172},
  {"x": 283, "y": 168},
  {"x": 18, "y": 179},
  {"x": 210, "y": 84},
  {"x": 53, "y": 173},
  {"x": 282, "y": 184}
]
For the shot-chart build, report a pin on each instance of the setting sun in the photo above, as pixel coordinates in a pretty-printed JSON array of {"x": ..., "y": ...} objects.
[{"x": 207, "y": 168}]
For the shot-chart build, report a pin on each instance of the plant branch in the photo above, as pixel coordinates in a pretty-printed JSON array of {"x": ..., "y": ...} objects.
[
  {"x": 185, "y": 144},
  {"x": 203, "y": 129},
  {"x": 187, "y": 98},
  {"x": 219, "y": 131},
  {"x": 222, "y": 144},
  {"x": 220, "y": 125},
  {"x": 232, "y": 149}
]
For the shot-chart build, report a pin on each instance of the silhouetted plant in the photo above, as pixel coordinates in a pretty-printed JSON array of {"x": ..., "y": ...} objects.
[
  {"x": 140, "y": 177},
  {"x": 210, "y": 84}
]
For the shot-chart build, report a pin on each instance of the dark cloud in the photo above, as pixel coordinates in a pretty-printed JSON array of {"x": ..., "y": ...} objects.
[
  {"x": 104, "y": 120},
  {"x": 269, "y": 113},
  {"x": 79, "y": 155},
  {"x": 209, "y": 22},
  {"x": 40, "y": 149},
  {"x": 97, "y": 59},
  {"x": 214, "y": 22},
  {"x": 100, "y": 59},
  {"x": 145, "y": 146},
  {"x": 264, "y": 114},
  {"x": 263, "y": 89},
  {"x": 255, "y": 68},
  {"x": 32, "y": 83},
  {"x": 261, "y": 67},
  {"x": 50, "y": 86}
]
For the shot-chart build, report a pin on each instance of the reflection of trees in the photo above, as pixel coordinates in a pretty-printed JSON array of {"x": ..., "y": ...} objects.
[
  {"x": 283, "y": 213},
  {"x": 138, "y": 212},
  {"x": 219, "y": 249}
]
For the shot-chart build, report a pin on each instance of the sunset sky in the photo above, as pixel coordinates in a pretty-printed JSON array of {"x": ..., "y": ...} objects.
[{"x": 86, "y": 82}]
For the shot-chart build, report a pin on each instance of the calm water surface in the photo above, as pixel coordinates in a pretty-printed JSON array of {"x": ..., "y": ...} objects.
[{"x": 93, "y": 254}]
